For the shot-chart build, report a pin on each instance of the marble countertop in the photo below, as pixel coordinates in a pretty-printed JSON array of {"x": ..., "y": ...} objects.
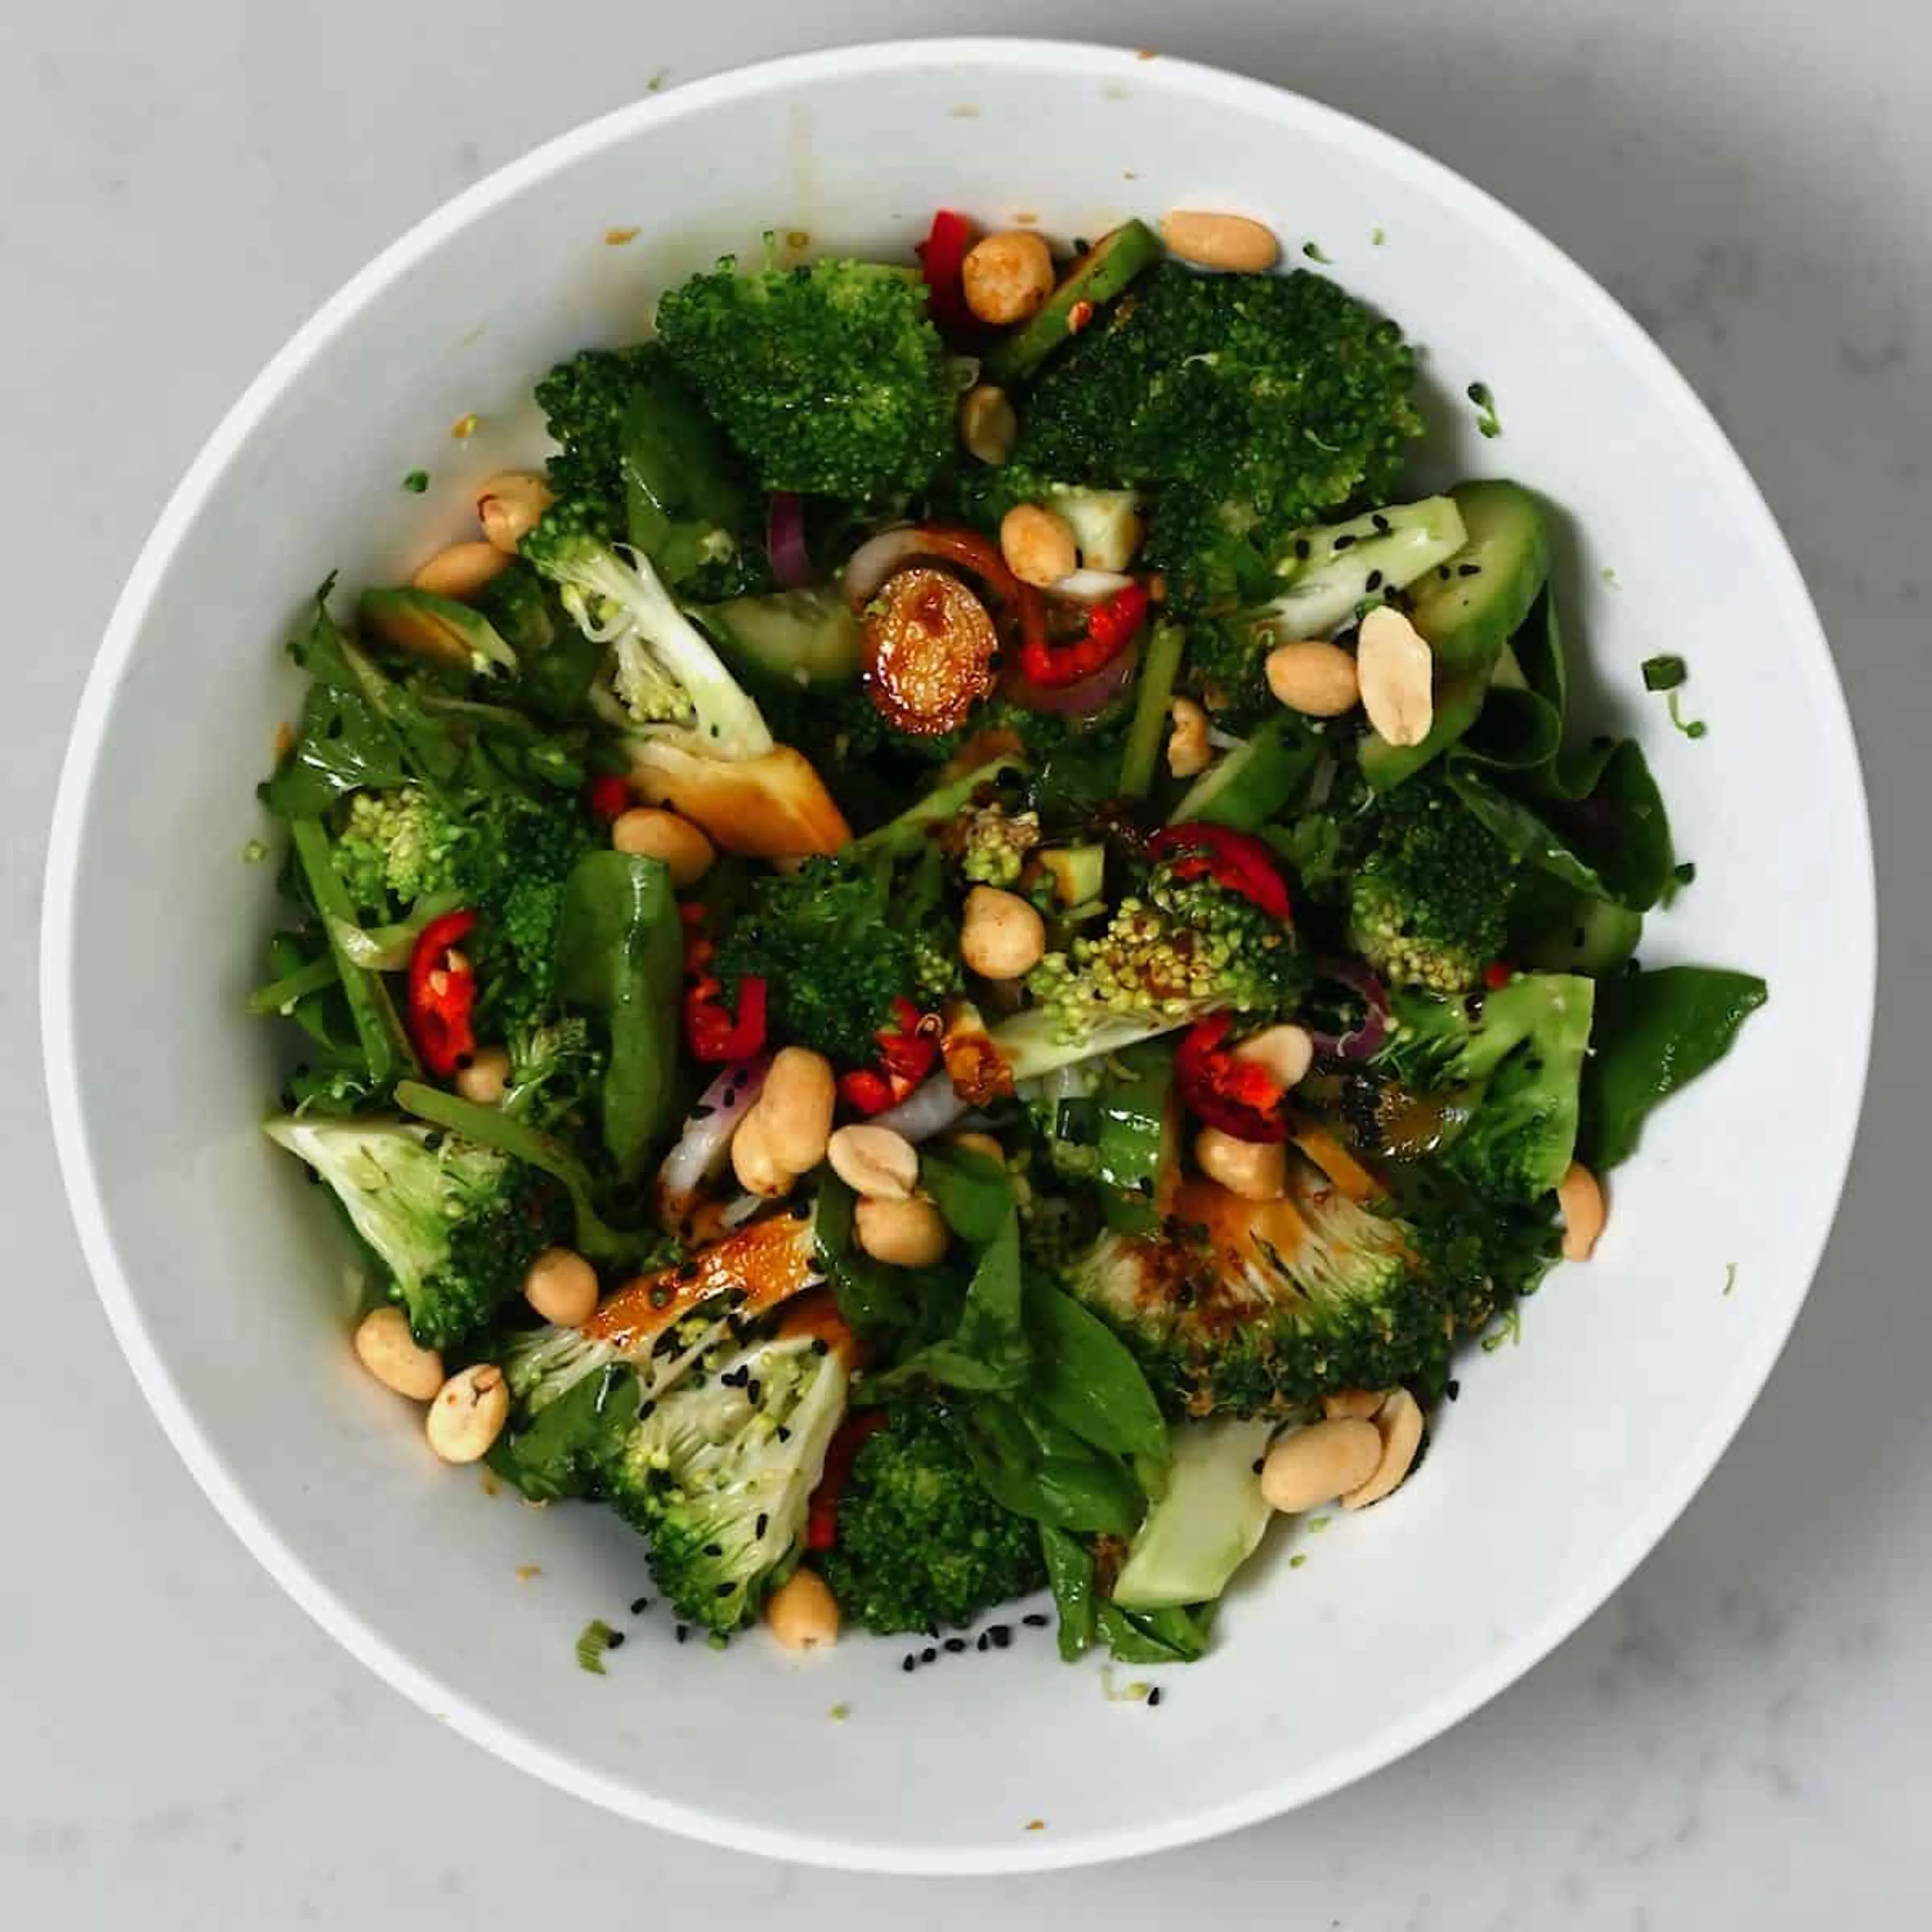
[{"x": 1730, "y": 1741}]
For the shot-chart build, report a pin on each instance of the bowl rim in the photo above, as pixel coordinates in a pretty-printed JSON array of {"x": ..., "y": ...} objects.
[{"x": 1587, "y": 1590}]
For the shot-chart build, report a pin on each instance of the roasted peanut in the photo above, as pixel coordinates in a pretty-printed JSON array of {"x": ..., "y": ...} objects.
[
  {"x": 1007, "y": 276},
  {"x": 801, "y": 1612},
  {"x": 759, "y": 1171},
  {"x": 1319, "y": 680},
  {"x": 649, "y": 831},
  {"x": 386, "y": 1348},
  {"x": 562, "y": 1287},
  {"x": 1580, "y": 1195},
  {"x": 485, "y": 1077},
  {"x": 461, "y": 571},
  {"x": 1316, "y": 1465},
  {"x": 901, "y": 1234},
  {"x": 1038, "y": 544},
  {"x": 1001, "y": 936},
  {"x": 1231, "y": 241},
  {"x": 1188, "y": 753},
  {"x": 1286, "y": 1052},
  {"x": 1397, "y": 671},
  {"x": 1398, "y": 1421},
  {"x": 794, "y": 1112},
  {"x": 988, "y": 426},
  {"x": 874, "y": 1160},
  {"x": 509, "y": 505},
  {"x": 1255, "y": 1170},
  {"x": 1352, "y": 1405},
  {"x": 469, "y": 1413}
]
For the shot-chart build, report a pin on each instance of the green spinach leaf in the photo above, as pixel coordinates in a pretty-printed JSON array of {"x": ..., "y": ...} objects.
[{"x": 1085, "y": 1377}]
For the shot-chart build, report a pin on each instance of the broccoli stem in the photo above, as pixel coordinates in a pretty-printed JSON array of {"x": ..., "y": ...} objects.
[
  {"x": 385, "y": 1047},
  {"x": 279, "y": 996},
  {"x": 490, "y": 1127},
  {"x": 899, "y": 837},
  {"x": 1157, "y": 675}
]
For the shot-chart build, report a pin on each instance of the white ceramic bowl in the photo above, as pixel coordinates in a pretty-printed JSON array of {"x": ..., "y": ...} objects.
[{"x": 1566, "y": 1458}]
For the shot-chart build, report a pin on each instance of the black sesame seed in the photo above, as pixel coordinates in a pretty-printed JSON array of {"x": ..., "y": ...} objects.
[
  {"x": 1153, "y": 1696},
  {"x": 820, "y": 1346},
  {"x": 687, "y": 1271},
  {"x": 764, "y": 1523},
  {"x": 1035, "y": 1620},
  {"x": 1452, "y": 1388},
  {"x": 1442, "y": 571},
  {"x": 682, "y": 1631},
  {"x": 715, "y": 1549},
  {"x": 801, "y": 1210},
  {"x": 1374, "y": 580},
  {"x": 1469, "y": 570},
  {"x": 723, "y": 1589},
  {"x": 615, "y": 1641},
  {"x": 908, "y": 1663},
  {"x": 702, "y": 1112},
  {"x": 432, "y": 1141},
  {"x": 1001, "y": 1635},
  {"x": 1345, "y": 542},
  {"x": 1256, "y": 1465},
  {"x": 955, "y": 1645},
  {"x": 1302, "y": 548},
  {"x": 784, "y": 1434},
  {"x": 1380, "y": 522},
  {"x": 754, "y": 1389},
  {"x": 982, "y": 1644},
  {"x": 928, "y": 1655},
  {"x": 639, "y": 1605}
]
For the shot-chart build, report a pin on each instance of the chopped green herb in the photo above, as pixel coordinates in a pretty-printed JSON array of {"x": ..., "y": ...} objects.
[
  {"x": 1317, "y": 1524},
  {"x": 1509, "y": 1328},
  {"x": 656, "y": 84},
  {"x": 1609, "y": 574},
  {"x": 840, "y": 1712},
  {"x": 416, "y": 481},
  {"x": 1684, "y": 873},
  {"x": 1312, "y": 249},
  {"x": 1300, "y": 1557},
  {"x": 1377, "y": 236},
  {"x": 1730, "y": 1275},
  {"x": 1487, "y": 421},
  {"x": 1664, "y": 673},
  {"x": 254, "y": 853},
  {"x": 591, "y": 1645},
  {"x": 1691, "y": 727}
]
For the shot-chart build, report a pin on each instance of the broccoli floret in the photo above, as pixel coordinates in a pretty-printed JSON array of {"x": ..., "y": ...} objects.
[
  {"x": 1429, "y": 904},
  {"x": 1184, "y": 948},
  {"x": 719, "y": 1473},
  {"x": 1515, "y": 1064},
  {"x": 456, "y": 1225},
  {"x": 583, "y": 402},
  {"x": 398, "y": 846},
  {"x": 1250, "y": 404},
  {"x": 554, "y": 1066},
  {"x": 829, "y": 379},
  {"x": 523, "y": 852},
  {"x": 920, "y": 1543},
  {"x": 1259, "y": 1308},
  {"x": 993, "y": 843},
  {"x": 1485, "y": 1254},
  {"x": 664, "y": 679}
]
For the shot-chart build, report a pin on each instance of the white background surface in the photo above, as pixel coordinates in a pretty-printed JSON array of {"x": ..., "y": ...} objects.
[{"x": 1733, "y": 1738}]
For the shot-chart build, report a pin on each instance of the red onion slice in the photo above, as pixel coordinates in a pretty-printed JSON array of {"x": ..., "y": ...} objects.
[
  {"x": 784, "y": 540},
  {"x": 1091, "y": 586},
  {"x": 706, "y": 1140},
  {"x": 927, "y": 1110},
  {"x": 1093, "y": 693},
  {"x": 1362, "y": 1043},
  {"x": 875, "y": 560}
]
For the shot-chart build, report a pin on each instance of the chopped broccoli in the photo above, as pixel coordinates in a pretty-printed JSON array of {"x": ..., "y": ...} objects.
[
  {"x": 1249, "y": 404},
  {"x": 398, "y": 846},
  {"x": 553, "y": 1067},
  {"x": 829, "y": 378},
  {"x": 1518, "y": 1060},
  {"x": 719, "y": 1473},
  {"x": 1428, "y": 905},
  {"x": 1259, "y": 1308},
  {"x": 524, "y": 852},
  {"x": 919, "y": 1542},
  {"x": 456, "y": 1225},
  {"x": 584, "y": 402},
  {"x": 994, "y": 844},
  {"x": 665, "y": 679},
  {"x": 1186, "y": 948}
]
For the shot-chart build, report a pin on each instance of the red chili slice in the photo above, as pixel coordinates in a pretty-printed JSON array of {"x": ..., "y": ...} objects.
[
  {"x": 907, "y": 1049},
  {"x": 942, "y": 258},
  {"x": 442, "y": 994},
  {"x": 1236, "y": 860},
  {"x": 1239, "y": 1096},
  {"x": 607, "y": 798},
  {"x": 714, "y": 1033},
  {"x": 1111, "y": 628},
  {"x": 821, "y": 1523}
]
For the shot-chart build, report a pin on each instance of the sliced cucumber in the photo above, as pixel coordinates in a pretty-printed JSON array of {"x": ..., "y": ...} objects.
[
  {"x": 1207, "y": 1524},
  {"x": 437, "y": 628},
  {"x": 1249, "y": 785},
  {"x": 1349, "y": 566},
  {"x": 1078, "y": 871},
  {"x": 1098, "y": 277},
  {"x": 1596, "y": 939},
  {"x": 809, "y": 639},
  {"x": 1475, "y": 602}
]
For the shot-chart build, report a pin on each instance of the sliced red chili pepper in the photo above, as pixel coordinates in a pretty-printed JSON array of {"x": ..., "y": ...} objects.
[
  {"x": 907, "y": 1049},
  {"x": 821, "y": 1522},
  {"x": 942, "y": 258},
  {"x": 1111, "y": 627},
  {"x": 1236, "y": 860},
  {"x": 442, "y": 994},
  {"x": 712, "y": 1032},
  {"x": 607, "y": 798},
  {"x": 1239, "y": 1096},
  {"x": 1498, "y": 974}
]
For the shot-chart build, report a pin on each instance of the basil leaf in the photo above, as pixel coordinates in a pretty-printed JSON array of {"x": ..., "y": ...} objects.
[
  {"x": 1069, "y": 1574},
  {"x": 988, "y": 1350},
  {"x": 970, "y": 1189},
  {"x": 1085, "y": 1377}
]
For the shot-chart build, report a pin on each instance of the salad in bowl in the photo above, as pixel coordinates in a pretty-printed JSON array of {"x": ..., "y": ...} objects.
[{"x": 958, "y": 954}]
